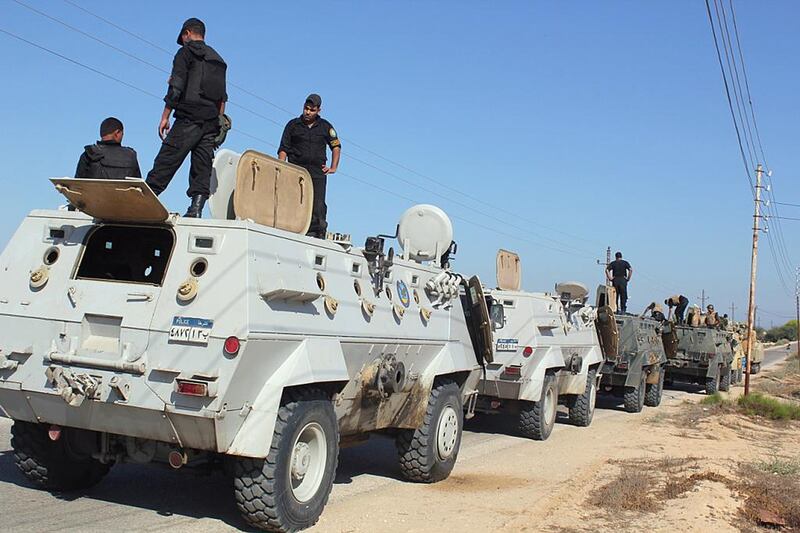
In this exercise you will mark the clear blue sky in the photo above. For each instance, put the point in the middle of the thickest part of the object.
(580, 124)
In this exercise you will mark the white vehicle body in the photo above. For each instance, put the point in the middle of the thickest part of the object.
(172, 335)
(539, 338)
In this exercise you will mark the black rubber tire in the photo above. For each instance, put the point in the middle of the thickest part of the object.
(49, 464)
(653, 391)
(755, 368)
(418, 449)
(725, 379)
(532, 420)
(634, 396)
(581, 410)
(712, 383)
(263, 487)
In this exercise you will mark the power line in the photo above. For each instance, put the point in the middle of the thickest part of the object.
(440, 183)
(728, 95)
(264, 141)
(787, 204)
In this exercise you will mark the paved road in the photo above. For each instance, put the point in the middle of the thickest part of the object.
(778, 353)
(151, 498)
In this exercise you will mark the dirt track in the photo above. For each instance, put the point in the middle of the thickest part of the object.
(501, 481)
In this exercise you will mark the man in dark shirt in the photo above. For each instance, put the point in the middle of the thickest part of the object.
(197, 93)
(619, 273)
(107, 158)
(303, 143)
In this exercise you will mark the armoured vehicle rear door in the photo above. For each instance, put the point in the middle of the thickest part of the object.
(125, 200)
(478, 321)
(606, 323)
(670, 339)
(112, 294)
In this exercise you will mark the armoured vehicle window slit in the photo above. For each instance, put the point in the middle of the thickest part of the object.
(415, 282)
(57, 233)
(319, 260)
(321, 282)
(198, 268)
(50, 256)
(130, 254)
(357, 287)
(356, 270)
(204, 242)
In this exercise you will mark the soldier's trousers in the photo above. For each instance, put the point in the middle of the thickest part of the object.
(621, 286)
(319, 214)
(185, 137)
(680, 309)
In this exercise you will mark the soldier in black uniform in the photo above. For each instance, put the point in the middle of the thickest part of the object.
(619, 273)
(107, 158)
(197, 93)
(303, 143)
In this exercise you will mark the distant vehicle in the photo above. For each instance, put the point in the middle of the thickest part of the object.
(699, 355)
(544, 351)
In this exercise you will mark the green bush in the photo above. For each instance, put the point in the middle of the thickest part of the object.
(713, 399)
(772, 408)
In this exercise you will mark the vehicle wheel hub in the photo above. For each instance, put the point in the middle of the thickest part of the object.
(447, 433)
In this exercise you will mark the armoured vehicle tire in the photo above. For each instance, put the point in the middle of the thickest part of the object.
(428, 453)
(288, 490)
(712, 384)
(725, 379)
(581, 411)
(653, 392)
(536, 419)
(49, 463)
(755, 368)
(634, 396)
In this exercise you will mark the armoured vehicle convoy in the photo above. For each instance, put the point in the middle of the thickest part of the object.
(634, 355)
(699, 355)
(130, 334)
(544, 351)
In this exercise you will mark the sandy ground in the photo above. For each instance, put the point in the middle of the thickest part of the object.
(501, 482)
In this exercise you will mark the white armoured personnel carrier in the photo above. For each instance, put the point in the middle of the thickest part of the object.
(544, 351)
(130, 334)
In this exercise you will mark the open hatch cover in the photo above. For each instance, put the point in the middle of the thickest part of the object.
(117, 200)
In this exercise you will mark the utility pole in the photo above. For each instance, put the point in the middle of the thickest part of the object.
(605, 266)
(733, 308)
(797, 299)
(703, 299)
(751, 306)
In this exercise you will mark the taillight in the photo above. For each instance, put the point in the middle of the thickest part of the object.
(513, 371)
(527, 351)
(232, 345)
(192, 388)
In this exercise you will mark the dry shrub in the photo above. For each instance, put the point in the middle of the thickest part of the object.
(630, 491)
(771, 499)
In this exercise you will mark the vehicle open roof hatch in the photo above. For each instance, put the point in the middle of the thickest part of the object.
(273, 192)
(113, 200)
(509, 271)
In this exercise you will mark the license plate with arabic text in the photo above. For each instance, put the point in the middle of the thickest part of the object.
(507, 345)
(191, 330)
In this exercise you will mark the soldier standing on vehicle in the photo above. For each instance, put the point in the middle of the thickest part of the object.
(619, 273)
(197, 94)
(680, 303)
(107, 158)
(712, 319)
(303, 143)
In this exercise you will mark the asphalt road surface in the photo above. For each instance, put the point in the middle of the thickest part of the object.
(153, 498)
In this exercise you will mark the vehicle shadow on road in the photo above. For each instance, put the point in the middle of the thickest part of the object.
(506, 424)
(187, 494)
(376, 457)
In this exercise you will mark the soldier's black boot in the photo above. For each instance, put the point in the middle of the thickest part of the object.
(196, 207)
